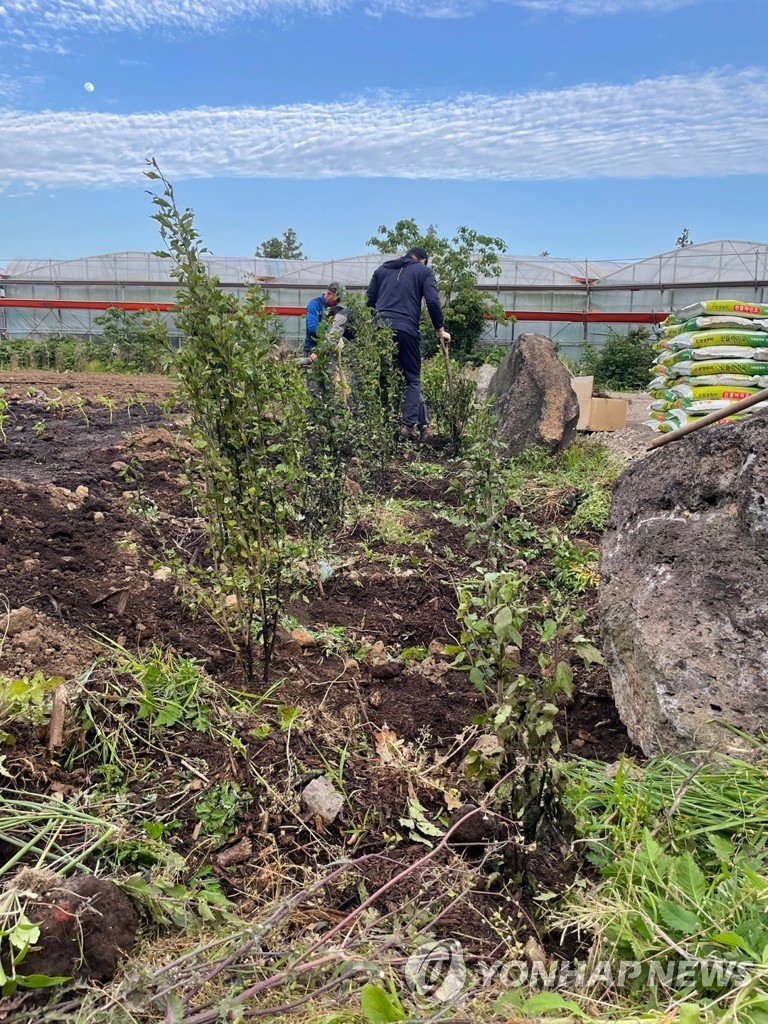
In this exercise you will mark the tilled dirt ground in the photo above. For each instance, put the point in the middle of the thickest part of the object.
(79, 569)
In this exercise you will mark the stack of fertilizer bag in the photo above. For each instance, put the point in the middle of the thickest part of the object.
(711, 354)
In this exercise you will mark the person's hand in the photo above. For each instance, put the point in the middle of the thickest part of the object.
(312, 357)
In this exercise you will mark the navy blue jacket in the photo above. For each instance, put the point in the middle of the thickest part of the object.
(396, 290)
(315, 314)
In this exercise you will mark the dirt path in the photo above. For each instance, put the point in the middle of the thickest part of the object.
(152, 388)
(632, 442)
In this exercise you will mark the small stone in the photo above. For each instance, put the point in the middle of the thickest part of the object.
(119, 466)
(82, 491)
(30, 564)
(322, 799)
(436, 647)
(98, 517)
(302, 637)
(351, 667)
(375, 652)
(387, 669)
(230, 601)
(107, 485)
(162, 573)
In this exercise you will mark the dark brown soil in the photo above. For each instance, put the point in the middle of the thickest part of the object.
(78, 567)
(87, 925)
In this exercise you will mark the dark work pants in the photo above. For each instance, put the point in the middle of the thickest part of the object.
(409, 361)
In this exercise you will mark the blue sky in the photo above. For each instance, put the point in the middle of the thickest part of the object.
(588, 128)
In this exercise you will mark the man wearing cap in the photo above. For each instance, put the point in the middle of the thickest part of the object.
(395, 292)
(316, 309)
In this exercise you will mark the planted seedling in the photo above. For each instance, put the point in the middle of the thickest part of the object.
(78, 404)
(56, 404)
(4, 416)
(109, 404)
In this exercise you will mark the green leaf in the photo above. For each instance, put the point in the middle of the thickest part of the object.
(564, 677)
(502, 1005)
(40, 980)
(689, 1013)
(652, 848)
(378, 1007)
(690, 878)
(502, 622)
(477, 678)
(678, 918)
(723, 849)
(733, 940)
(543, 1002)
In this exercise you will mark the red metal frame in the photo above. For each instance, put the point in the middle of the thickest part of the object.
(589, 316)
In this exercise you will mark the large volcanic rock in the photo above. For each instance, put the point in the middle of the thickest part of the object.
(684, 592)
(533, 398)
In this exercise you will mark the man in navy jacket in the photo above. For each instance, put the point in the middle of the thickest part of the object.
(316, 312)
(395, 292)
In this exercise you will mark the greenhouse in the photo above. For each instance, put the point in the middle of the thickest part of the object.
(570, 301)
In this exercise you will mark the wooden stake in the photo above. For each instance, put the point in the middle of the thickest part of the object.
(56, 728)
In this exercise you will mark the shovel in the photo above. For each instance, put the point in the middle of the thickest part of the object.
(343, 384)
(444, 342)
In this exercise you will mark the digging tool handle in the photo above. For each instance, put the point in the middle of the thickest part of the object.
(444, 339)
(712, 417)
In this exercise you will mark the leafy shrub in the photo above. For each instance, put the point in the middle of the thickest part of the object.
(131, 344)
(622, 362)
(450, 411)
(490, 355)
(137, 341)
(247, 439)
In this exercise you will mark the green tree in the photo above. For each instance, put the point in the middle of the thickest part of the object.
(286, 248)
(458, 262)
(247, 431)
(623, 361)
(137, 341)
(683, 240)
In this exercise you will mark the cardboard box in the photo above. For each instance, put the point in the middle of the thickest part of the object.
(583, 388)
(598, 413)
(607, 414)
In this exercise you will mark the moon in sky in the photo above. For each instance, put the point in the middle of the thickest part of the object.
(89, 87)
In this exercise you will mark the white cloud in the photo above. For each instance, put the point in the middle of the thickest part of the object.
(41, 24)
(711, 125)
(596, 8)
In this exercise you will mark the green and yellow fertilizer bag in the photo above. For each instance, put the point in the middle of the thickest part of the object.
(748, 310)
(714, 323)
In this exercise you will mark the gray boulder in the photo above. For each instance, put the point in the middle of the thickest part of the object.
(683, 600)
(533, 398)
(485, 375)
